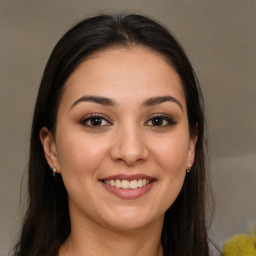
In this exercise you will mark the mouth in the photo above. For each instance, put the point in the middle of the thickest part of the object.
(128, 186)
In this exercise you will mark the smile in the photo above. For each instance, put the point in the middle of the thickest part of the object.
(126, 184)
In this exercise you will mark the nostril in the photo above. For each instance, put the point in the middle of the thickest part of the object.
(129, 146)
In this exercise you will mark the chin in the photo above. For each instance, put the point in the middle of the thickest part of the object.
(130, 220)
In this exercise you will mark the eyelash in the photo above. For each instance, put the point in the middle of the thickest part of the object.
(167, 120)
(92, 117)
(162, 118)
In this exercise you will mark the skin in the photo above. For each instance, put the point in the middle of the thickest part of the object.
(128, 141)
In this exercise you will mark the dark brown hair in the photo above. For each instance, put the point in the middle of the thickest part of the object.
(47, 224)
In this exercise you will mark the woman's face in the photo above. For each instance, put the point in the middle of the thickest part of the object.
(122, 142)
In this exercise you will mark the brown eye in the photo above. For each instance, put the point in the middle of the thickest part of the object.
(157, 121)
(161, 121)
(95, 121)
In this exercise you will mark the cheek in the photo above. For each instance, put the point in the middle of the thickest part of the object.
(79, 161)
(79, 155)
(172, 154)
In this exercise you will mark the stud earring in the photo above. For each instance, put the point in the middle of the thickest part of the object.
(54, 171)
(189, 168)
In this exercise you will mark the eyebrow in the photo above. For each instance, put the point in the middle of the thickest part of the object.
(108, 102)
(95, 99)
(158, 100)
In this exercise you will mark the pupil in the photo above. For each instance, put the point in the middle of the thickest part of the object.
(96, 121)
(157, 121)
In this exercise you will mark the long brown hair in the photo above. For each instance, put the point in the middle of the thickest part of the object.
(47, 224)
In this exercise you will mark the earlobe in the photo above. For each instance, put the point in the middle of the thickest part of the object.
(50, 150)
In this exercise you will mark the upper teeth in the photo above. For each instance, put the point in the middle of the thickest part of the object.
(126, 184)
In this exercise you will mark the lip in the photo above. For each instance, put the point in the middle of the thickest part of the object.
(128, 193)
(128, 177)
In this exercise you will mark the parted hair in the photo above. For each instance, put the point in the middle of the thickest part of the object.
(46, 224)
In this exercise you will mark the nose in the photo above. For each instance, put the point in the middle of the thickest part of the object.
(129, 146)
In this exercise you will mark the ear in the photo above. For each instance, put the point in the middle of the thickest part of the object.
(192, 146)
(50, 150)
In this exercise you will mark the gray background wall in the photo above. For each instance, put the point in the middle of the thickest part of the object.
(218, 36)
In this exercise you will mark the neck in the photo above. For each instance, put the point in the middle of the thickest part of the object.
(92, 240)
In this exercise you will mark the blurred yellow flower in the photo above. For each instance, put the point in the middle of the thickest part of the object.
(240, 245)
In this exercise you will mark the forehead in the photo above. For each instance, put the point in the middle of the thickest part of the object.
(125, 73)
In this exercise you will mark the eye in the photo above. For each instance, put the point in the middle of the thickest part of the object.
(161, 121)
(95, 120)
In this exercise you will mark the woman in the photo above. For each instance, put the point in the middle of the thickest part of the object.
(117, 156)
